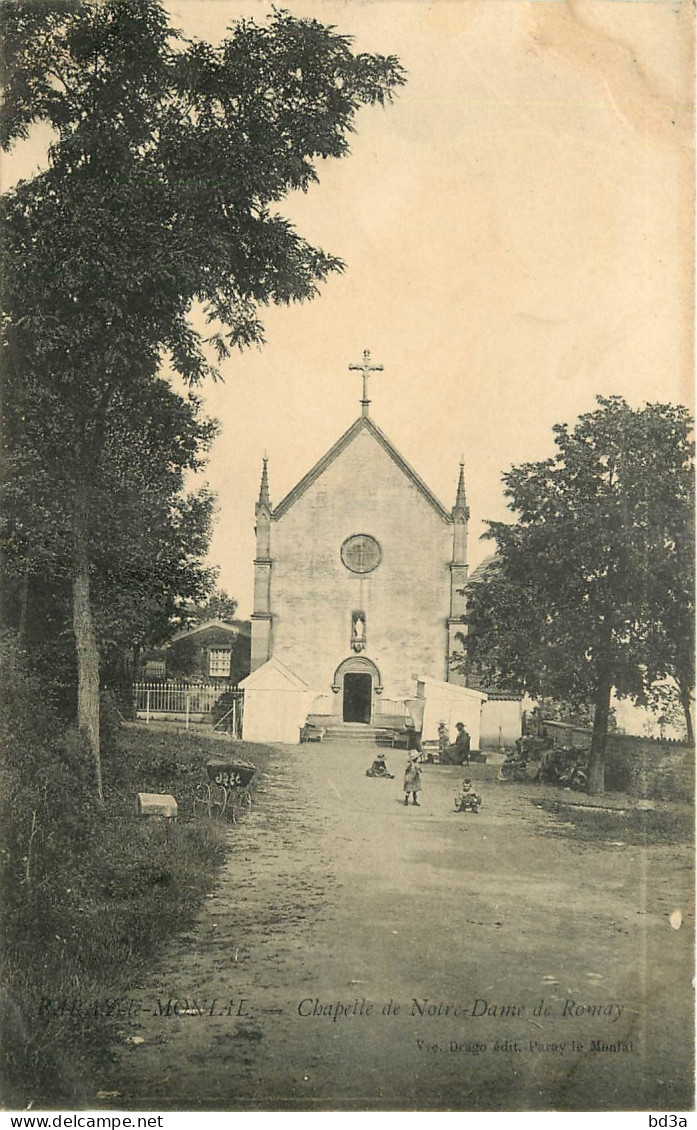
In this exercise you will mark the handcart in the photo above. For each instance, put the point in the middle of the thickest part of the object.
(226, 792)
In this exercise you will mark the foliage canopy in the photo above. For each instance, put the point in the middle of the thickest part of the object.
(591, 589)
(167, 156)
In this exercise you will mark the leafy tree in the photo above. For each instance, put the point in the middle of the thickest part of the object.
(147, 535)
(167, 157)
(151, 535)
(591, 588)
(673, 636)
(218, 606)
(672, 708)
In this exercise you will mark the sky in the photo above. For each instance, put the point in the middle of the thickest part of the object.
(517, 233)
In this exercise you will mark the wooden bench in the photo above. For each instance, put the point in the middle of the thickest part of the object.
(311, 733)
(396, 739)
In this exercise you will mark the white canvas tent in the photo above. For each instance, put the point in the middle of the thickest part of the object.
(448, 703)
(276, 703)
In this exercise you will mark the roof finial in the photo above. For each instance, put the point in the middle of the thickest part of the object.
(461, 506)
(264, 499)
(365, 369)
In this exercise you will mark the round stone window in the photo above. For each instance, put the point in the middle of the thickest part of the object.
(361, 553)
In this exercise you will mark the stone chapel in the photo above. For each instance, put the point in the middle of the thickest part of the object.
(359, 579)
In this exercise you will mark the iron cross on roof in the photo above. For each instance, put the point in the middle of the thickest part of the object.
(366, 368)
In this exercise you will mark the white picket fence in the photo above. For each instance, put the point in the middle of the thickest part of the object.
(190, 701)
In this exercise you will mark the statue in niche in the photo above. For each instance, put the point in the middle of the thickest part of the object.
(358, 631)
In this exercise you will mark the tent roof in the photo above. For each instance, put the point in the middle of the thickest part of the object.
(274, 675)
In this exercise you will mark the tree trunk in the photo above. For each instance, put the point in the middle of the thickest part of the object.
(24, 610)
(686, 703)
(87, 653)
(596, 761)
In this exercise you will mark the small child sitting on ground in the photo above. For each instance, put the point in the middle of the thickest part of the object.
(379, 768)
(468, 800)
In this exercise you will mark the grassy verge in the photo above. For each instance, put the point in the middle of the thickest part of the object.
(664, 824)
(91, 893)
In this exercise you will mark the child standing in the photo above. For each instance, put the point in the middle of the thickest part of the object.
(412, 779)
(443, 740)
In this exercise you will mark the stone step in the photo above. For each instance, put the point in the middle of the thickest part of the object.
(336, 734)
(331, 721)
(337, 731)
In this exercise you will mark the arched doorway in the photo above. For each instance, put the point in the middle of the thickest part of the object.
(358, 697)
(357, 679)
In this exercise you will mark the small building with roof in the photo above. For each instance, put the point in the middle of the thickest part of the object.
(214, 651)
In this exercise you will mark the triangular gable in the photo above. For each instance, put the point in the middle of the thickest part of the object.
(363, 422)
(234, 627)
(273, 675)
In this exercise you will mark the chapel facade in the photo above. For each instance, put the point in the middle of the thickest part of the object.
(359, 576)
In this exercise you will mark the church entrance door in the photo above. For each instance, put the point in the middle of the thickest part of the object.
(358, 696)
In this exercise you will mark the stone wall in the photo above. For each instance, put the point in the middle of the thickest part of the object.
(405, 600)
(646, 767)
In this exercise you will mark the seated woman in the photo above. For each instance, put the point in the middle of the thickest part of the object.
(459, 753)
(379, 768)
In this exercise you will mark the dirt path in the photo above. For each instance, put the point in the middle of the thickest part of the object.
(334, 892)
